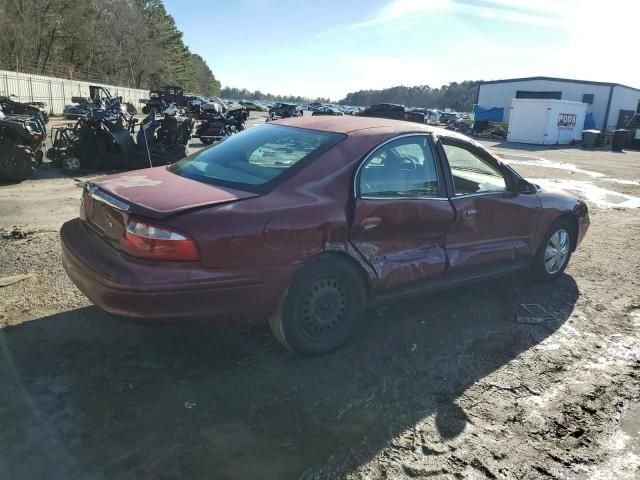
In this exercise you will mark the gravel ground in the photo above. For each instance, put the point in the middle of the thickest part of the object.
(442, 386)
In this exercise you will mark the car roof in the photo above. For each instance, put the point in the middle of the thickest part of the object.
(349, 124)
(355, 125)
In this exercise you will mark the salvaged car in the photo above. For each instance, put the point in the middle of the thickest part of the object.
(392, 111)
(284, 110)
(326, 110)
(384, 110)
(252, 106)
(308, 221)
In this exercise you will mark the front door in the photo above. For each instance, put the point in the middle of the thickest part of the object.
(402, 213)
(494, 228)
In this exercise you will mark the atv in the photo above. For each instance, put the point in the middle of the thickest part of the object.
(103, 139)
(21, 141)
(163, 97)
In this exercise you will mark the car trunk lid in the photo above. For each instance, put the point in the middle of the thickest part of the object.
(157, 193)
(153, 193)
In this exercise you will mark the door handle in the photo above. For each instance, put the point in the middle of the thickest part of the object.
(472, 212)
(370, 222)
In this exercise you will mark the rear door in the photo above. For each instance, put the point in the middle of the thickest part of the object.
(494, 227)
(401, 213)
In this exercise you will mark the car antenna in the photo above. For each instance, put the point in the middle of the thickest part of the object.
(144, 134)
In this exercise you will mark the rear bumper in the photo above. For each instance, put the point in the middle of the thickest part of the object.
(128, 287)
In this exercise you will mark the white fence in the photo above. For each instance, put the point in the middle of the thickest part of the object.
(57, 92)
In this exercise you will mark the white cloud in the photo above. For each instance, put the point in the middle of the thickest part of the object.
(394, 11)
(542, 13)
(402, 8)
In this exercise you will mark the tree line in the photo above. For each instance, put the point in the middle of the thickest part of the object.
(123, 42)
(243, 93)
(457, 96)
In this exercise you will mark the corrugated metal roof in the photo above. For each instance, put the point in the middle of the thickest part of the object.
(555, 79)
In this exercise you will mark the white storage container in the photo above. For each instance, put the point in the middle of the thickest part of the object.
(545, 121)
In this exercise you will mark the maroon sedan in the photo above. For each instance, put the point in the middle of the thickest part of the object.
(307, 221)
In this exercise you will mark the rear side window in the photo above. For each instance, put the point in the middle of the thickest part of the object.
(401, 168)
(256, 158)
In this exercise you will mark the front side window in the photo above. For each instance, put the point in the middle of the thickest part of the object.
(402, 168)
(255, 157)
(471, 173)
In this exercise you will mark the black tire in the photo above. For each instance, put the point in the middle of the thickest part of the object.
(207, 141)
(320, 309)
(17, 163)
(538, 270)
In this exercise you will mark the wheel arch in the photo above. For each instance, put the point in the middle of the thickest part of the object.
(346, 257)
(573, 221)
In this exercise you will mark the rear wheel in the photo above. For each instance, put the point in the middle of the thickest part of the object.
(17, 163)
(554, 252)
(321, 307)
(206, 141)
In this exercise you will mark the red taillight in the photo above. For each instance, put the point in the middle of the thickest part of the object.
(157, 243)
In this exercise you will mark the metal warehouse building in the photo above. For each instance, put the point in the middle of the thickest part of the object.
(609, 103)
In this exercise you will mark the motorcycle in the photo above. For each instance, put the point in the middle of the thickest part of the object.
(219, 126)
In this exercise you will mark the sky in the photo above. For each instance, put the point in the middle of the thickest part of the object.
(327, 48)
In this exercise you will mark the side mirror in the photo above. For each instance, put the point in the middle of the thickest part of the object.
(523, 186)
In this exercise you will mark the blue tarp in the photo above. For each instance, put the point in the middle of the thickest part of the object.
(588, 122)
(487, 114)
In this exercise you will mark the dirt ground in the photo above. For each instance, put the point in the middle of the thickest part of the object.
(446, 386)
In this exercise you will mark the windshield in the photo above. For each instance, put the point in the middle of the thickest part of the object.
(255, 159)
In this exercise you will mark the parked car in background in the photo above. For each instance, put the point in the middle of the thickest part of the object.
(326, 110)
(313, 219)
(352, 110)
(284, 110)
(384, 110)
(393, 111)
(447, 116)
(252, 106)
(431, 116)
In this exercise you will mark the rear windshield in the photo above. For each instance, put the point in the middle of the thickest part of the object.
(257, 158)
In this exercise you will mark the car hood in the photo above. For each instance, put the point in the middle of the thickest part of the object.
(158, 193)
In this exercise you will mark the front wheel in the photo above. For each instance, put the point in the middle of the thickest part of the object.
(17, 163)
(321, 307)
(554, 252)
